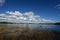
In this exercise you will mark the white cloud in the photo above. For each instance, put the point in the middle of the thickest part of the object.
(2, 18)
(2, 15)
(2, 2)
(37, 16)
(22, 17)
(8, 12)
(16, 13)
(29, 14)
(45, 20)
(58, 6)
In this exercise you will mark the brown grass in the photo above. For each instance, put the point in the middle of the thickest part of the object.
(17, 33)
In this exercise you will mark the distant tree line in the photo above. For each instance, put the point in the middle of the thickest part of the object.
(58, 23)
(6, 23)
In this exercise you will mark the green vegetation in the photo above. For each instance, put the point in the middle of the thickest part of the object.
(19, 33)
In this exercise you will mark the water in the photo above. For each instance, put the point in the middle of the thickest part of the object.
(35, 26)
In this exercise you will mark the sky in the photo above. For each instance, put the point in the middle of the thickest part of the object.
(30, 10)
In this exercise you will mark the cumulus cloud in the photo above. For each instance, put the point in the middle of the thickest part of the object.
(22, 17)
(2, 2)
(31, 16)
(3, 16)
(16, 13)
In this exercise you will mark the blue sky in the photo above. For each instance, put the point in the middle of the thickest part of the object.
(46, 9)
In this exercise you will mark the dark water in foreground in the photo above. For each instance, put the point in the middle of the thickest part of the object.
(35, 26)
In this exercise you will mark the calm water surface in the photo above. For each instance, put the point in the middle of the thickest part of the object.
(35, 26)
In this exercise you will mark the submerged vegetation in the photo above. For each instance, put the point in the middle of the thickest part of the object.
(19, 33)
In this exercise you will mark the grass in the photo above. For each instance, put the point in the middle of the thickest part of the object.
(18, 33)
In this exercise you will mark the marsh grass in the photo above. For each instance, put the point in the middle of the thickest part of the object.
(18, 33)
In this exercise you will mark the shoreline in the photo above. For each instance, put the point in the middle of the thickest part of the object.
(17, 33)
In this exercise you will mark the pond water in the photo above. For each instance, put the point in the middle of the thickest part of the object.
(35, 26)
